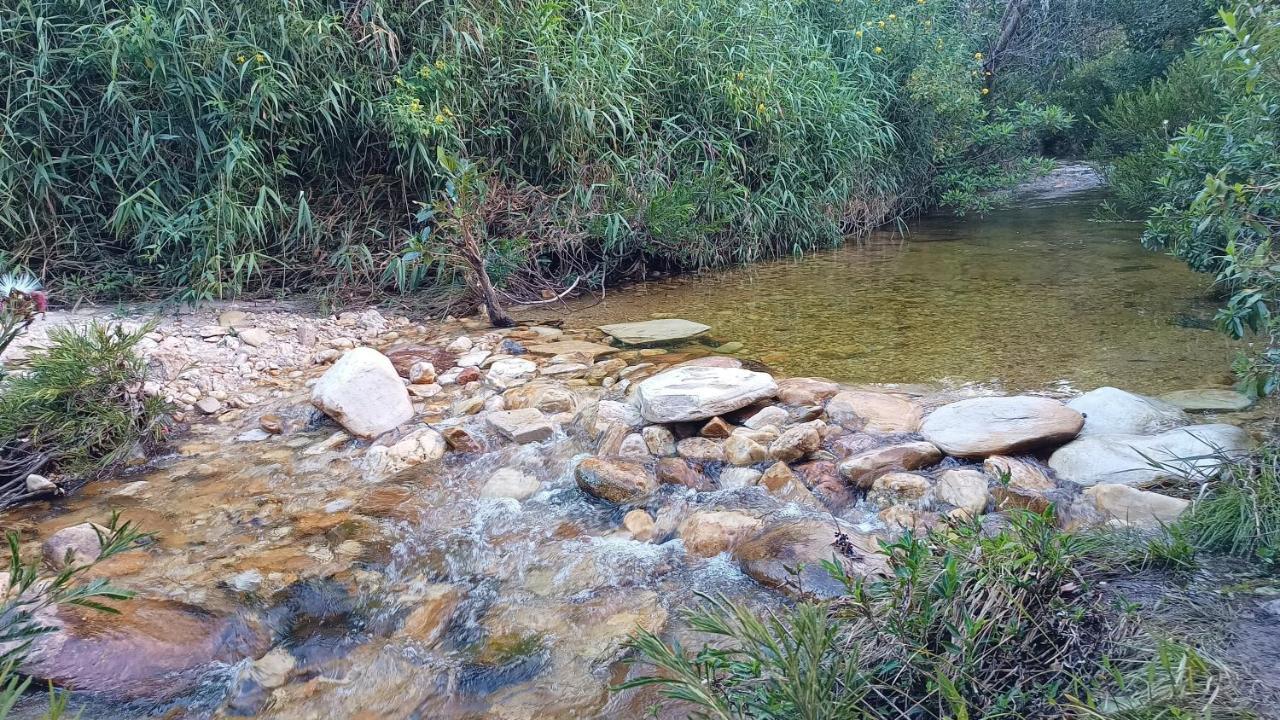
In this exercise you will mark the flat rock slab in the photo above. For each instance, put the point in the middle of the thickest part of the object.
(566, 347)
(700, 393)
(523, 426)
(654, 332)
(1208, 400)
(979, 427)
(1138, 460)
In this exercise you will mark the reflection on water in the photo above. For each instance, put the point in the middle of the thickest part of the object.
(1027, 296)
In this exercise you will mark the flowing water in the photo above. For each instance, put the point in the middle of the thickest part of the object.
(1028, 297)
(415, 597)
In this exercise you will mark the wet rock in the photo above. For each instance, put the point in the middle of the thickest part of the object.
(547, 397)
(806, 391)
(822, 477)
(40, 484)
(713, 361)
(640, 524)
(964, 488)
(611, 412)
(699, 393)
(271, 423)
(618, 482)
(510, 371)
(874, 412)
(783, 484)
(707, 534)
(742, 450)
(363, 393)
(716, 428)
(1124, 506)
(427, 623)
(978, 427)
(405, 358)
(905, 517)
(1110, 411)
(522, 426)
(80, 543)
(419, 446)
(676, 471)
(151, 649)
(654, 332)
(767, 416)
(659, 440)
(605, 369)
(796, 443)
(510, 483)
(862, 469)
(633, 446)
(769, 556)
(1188, 452)
(701, 449)
(899, 487)
(1208, 400)
(1018, 474)
(1011, 498)
(735, 478)
(461, 440)
(564, 347)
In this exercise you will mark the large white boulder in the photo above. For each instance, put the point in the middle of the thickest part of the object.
(979, 427)
(363, 393)
(1194, 452)
(699, 393)
(1110, 411)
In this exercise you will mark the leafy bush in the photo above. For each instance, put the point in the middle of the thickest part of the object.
(77, 410)
(969, 624)
(228, 147)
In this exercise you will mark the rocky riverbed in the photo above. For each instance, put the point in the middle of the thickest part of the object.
(374, 518)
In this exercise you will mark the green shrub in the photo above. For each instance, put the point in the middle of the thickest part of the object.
(228, 147)
(970, 624)
(77, 410)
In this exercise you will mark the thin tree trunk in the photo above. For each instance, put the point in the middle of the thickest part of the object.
(492, 304)
(1013, 14)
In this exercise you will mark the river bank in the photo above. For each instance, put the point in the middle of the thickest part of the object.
(525, 499)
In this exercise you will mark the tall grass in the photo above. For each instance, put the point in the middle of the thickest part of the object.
(1240, 514)
(257, 146)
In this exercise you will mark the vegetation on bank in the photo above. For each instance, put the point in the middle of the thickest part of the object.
(970, 623)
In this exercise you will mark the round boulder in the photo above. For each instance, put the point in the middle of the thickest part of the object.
(979, 427)
(686, 394)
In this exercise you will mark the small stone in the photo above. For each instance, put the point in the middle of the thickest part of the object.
(460, 344)
(473, 359)
(617, 482)
(964, 488)
(271, 423)
(422, 373)
(245, 582)
(208, 405)
(468, 375)
(677, 471)
(73, 545)
(659, 440)
(510, 483)
(423, 392)
(274, 669)
(717, 428)
(40, 484)
(231, 318)
(654, 332)
(700, 393)
(461, 440)
(701, 449)
(742, 450)
(795, 443)
(254, 337)
(874, 412)
(899, 487)
(428, 622)
(1208, 400)
(806, 391)
(734, 478)
(633, 446)
(640, 524)
(363, 393)
(730, 348)
(1018, 474)
(522, 426)
(782, 483)
(707, 534)
(863, 468)
(768, 415)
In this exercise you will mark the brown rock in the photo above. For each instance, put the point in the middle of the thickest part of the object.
(717, 428)
(271, 423)
(874, 412)
(80, 543)
(701, 449)
(469, 375)
(1011, 498)
(899, 487)
(770, 555)
(461, 440)
(677, 471)
(822, 477)
(404, 358)
(707, 534)
(905, 517)
(617, 482)
(742, 451)
(427, 622)
(964, 488)
(862, 469)
(1020, 474)
(640, 524)
(806, 391)
(782, 483)
(796, 443)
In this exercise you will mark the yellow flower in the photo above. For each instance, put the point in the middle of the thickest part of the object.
(928, 23)
(439, 119)
(977, 56)
(425, 72)
(986, 91)
(415, 106)
(240, 59)
(892, 16)
(760, 108)
(740, 76)
(260, 58)
(440, 65)
(919, 2)
(879, 49)
(857, 33)
(447, 111)
(880, 23)
(399, 81)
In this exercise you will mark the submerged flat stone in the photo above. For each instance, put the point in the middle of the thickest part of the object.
(566, 347)
(1208, 400)
(654, 332)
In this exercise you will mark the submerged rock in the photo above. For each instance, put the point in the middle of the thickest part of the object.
(80, 543)
(806, 390)
(874, 412)
(1208, 400)
(618, 482)
(654, 332)
(978, 427)
(700, 393)
(510, 483)
(770, 555)
(1110, 411)
(363, 393)
(707, 534)
(522, 426)
(1194, 452)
